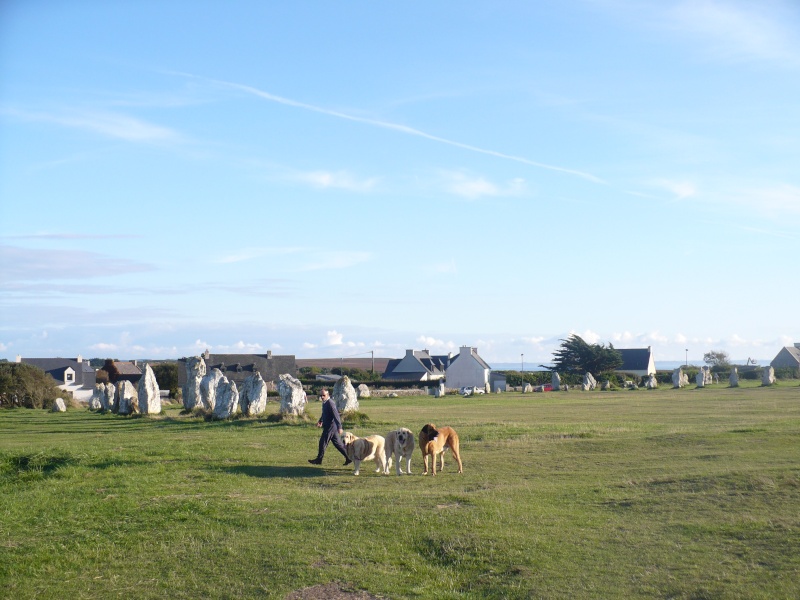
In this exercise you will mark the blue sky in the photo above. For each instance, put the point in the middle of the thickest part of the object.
(328, 179)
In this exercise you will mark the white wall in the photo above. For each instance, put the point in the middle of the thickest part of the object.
(466, 371)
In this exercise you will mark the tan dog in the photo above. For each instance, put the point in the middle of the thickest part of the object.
(366, 448)
(400, 444)
(433, 441)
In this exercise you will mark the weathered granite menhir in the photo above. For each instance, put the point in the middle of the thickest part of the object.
(227, 398)
(148, 392)
(293, 397)
(344, 395)
(195, 371)
(253, 396)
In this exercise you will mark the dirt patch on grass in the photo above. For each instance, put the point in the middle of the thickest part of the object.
(330, 591)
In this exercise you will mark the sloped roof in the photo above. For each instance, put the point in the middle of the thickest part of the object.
(634, 359)
(793, 351)
(127, 368)
(476, 356)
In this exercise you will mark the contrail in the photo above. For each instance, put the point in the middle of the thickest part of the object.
(394, 127)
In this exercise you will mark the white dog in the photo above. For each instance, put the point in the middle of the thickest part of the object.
(366, 448)
(400, 444)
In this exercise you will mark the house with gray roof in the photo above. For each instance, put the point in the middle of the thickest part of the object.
(74, 375)
(789, 356)
(417, 365)
(637, 361)
(238, 367)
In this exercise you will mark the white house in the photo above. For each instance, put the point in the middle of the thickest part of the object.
(637, 361)
(467, 369)
(789, 356)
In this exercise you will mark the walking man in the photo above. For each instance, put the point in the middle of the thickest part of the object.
(331, 424)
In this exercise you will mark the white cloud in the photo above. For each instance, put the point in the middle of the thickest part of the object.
(679, 189)
(4, 347)
(589, 336)
(341, 180)
(740, 30)
(474, 187)
(35, 264)
(435, 345)
(777, 201)
(108, 124)
(104, 347)
(333, 338)
(309, 345)
(240, 347)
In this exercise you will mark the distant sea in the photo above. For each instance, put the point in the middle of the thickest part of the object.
(661, 365)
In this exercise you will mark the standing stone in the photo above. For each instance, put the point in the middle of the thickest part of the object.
(440, 390)
(208, 389)
(253, 397)
(227, 399)
(126, 400)
(652, 382)
(606, 385)
(708, 379)
(195, 371)
(59, 406)
(589, 382)
(293, 398)
(106, 392)
(363, 391)
(734, 378)
(344, 395)
(677, 378)
(527, 388)
(555, 381)
(96, 401)
(149, 394)
(700, 378)
(768, 376)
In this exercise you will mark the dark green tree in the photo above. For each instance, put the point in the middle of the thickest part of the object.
(578, 356)
(25, 385)
(167, 376)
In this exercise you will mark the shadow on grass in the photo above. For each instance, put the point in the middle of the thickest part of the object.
(268, 471)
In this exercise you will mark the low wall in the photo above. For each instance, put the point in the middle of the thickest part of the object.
(406, 392)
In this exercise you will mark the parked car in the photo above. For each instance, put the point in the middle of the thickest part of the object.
(470, 390)
(547, 387)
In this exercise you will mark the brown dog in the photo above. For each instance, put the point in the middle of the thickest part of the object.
(433, 441)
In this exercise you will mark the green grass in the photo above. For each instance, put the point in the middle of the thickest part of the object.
(691, 493)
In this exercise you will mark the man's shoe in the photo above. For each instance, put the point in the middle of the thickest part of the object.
(347, 462)
(315, 461)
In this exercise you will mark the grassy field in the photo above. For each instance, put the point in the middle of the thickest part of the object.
(691, 493)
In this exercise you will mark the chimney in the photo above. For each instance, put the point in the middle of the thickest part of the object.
(79, 359)
(269, 354)
(19, 358)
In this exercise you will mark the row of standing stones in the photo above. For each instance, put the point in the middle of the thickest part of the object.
(679, 379)
(215, 394)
